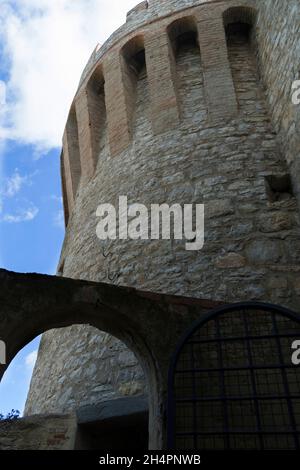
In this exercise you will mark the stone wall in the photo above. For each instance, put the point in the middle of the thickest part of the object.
(278, 37)
(87, 368)
(231, 160)
(39, 433)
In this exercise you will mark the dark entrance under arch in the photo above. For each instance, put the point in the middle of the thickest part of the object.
(232, 383)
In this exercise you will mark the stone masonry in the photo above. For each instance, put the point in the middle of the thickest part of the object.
(188, 102)
(39, 433)
(32, 303)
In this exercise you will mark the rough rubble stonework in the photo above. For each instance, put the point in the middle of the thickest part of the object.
(210, 124)
(39, 433)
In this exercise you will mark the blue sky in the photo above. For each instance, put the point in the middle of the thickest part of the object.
(44, 45)
(31, 234)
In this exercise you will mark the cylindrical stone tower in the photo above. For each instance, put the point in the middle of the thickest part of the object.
(176, 108)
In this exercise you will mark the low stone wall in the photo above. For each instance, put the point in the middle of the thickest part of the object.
(39, 433)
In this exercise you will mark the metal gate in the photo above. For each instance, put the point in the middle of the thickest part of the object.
(232, 383)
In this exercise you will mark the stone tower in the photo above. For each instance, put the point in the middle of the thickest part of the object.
(188, 102)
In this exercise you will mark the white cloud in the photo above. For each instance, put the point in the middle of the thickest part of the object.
(56, 198)
(30, 359)
(22, 215)
(2, 96)
(59, 219)
(47, 44)
(3, 108)
(13, 184)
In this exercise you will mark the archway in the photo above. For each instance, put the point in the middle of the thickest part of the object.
(232, 382)
(109, 409)
(33, 304)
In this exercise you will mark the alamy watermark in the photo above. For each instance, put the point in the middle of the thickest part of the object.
(2, 353)
(160, 221)
(296, 353)
(296, 92)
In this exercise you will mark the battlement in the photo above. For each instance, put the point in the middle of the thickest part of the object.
(142, 14)
(106, 97)
(138, 9)
(150, 36)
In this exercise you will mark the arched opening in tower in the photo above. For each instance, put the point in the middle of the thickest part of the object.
(64, 188)
(241, 45)
(71, 155)
(136, 84)
(261, 144)
(97, 112)
(183, 35)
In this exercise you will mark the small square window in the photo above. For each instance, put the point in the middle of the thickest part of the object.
(279, 187)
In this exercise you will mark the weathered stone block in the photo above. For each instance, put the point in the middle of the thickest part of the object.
(230, 261)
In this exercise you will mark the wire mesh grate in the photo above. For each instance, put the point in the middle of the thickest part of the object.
(233, 384)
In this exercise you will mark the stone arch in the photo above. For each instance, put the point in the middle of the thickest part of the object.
(134, 53)
(239, 25)
(71, 158)
(34, 304)
(232, 384)
(240, 14)
(97, 111)
(181, 31)
(64, 188)
(69, 315)
(134, 69)
(185, 46)
(241, 19)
